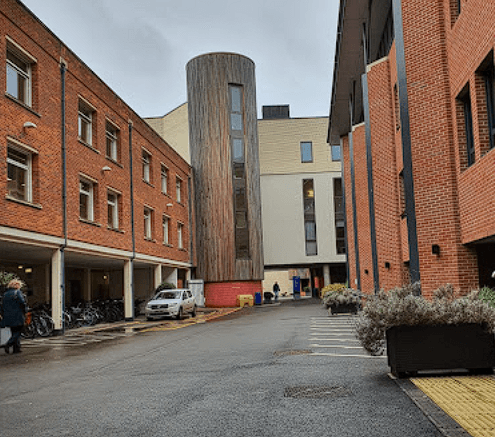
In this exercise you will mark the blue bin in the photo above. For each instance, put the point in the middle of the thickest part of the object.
(257, 298)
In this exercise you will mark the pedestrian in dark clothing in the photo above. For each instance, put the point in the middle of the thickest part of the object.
(276, 289)
(14, 308)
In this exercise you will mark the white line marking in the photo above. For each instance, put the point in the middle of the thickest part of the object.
(343, 355)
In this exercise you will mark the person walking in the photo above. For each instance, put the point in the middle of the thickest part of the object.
(14, 308)
(276, 289)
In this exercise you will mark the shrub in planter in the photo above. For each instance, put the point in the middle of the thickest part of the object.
(344, 300)
(404, 308)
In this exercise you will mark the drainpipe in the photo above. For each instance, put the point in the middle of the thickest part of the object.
(63, 69)
(133, 231)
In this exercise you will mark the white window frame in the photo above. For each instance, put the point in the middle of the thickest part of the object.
(164, 179)
(90, 196)
(113, 207)
(178, 189)
(85, 116)
(112, 138)
(148, 223)
(302, 144)
(180, 235)
(166, 229)
(146, 161)
(23, 57)
(27, 168)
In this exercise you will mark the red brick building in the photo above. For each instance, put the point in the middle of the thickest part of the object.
(94, 204)
(413, 107)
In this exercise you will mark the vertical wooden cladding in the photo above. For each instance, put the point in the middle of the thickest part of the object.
(208, 80)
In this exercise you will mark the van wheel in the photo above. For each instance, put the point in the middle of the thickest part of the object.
(193, 314)
(179, 314)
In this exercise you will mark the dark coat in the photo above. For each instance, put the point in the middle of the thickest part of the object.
(14, 307)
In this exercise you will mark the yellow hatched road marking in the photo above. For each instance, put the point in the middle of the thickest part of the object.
(469, 400)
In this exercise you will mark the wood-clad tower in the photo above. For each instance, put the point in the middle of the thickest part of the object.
(223, 139)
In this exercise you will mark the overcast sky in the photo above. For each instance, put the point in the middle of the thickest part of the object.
(140, 48)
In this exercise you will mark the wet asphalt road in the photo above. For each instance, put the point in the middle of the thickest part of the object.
(248, 374)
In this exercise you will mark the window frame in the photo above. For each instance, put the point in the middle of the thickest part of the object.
(304, 159)
(22, 57)
(85, 114)
(146, 165)
(180, 235)
(90, 196)
(27, 169)
(166, 230)
(148, 223)
(164, 178)
(114, 207)
(309, 214)
(112, 135)
(178, 189)
(334, 153)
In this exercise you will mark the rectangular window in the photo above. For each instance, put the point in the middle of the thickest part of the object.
(148, 219)
(85, 123)
(19, 76)
(164, 179)
(178, 189)
(112, 138)
(465, 120)
(306, 151)
(237, 144)
(309, 217)
(113, 210)
(335, 153)
(490, 103)
(19, 174)
(86, 200)
(180, 235)
(166, 229)
(146, 161)
(338, 201)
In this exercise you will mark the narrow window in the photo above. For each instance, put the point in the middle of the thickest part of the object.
(490, 103)
(335, 153)
(86, 200)
(465, 131)
(164, 179)
(178, 189)
(85, 123)
(112, 139)
(396, 108)
(237, 147)
(309, 217)
(148, 235)
(338, 201)
(146, 161)
(19, 174)
(402, 195)
(307, 151)
(165, 225)
(19, 76)
(180, 235)
(113, 210)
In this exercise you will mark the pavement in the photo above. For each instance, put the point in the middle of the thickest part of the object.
(459, 405)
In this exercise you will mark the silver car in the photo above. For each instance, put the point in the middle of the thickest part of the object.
(174, 303)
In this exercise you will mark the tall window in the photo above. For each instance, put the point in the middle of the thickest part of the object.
(148, 219)
(178, 189)
(166, 230)
(112, 139)
(86, 199)
(164, 179)
(19, 76)
(338, 201)
(309, 217)
(237, 146)
(465, 125)
(146, 161)
(113, 210)
(85, 123)
(180, 235)
(19, 173)
(306, 151)
(490, 103)
(335, 153)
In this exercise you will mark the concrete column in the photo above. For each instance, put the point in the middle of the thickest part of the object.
(172, 277)
(326, 274)
(48, 285)
(87, 285)
(128, 290)
(57, 289)
(158, 276)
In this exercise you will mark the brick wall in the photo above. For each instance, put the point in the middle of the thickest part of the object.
(224, 294)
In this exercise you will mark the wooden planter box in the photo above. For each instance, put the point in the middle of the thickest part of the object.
(442, 347)
(344, 308)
